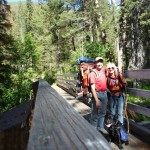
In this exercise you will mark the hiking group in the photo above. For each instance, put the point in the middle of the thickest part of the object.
(106, 88)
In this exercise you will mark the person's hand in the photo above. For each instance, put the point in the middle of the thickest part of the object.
(98, 105)
(124, 81)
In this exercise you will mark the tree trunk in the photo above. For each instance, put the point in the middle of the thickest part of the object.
(137, 58)
(121, 39)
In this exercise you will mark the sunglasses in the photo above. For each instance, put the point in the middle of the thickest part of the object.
(111, 68)
(99, 61)
(99, 65)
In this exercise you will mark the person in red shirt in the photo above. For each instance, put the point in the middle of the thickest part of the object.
(98, 84)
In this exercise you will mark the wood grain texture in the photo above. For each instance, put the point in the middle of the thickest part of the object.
(135, 143)
(14, 138)
(139, 92)
(15, 116)
(143, 74)
(140, 130)
(137, 74)
(57, 126)
(137, 108)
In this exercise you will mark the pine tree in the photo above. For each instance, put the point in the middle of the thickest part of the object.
(5, 46)
(135, 33)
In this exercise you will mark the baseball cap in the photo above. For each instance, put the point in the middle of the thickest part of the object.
(98, 58)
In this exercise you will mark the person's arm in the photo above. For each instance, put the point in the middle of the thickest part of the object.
(98, 105)
(124, 82)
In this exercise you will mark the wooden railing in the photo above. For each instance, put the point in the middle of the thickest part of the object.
(57, 126)
(68, 83)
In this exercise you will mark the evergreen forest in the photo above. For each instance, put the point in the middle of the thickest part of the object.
(45, 38)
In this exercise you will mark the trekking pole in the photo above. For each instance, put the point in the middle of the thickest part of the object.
(125, 112)
(125, 104)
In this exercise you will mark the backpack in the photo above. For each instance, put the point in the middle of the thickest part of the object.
(121, 84)
(123, 134)
(85, 60)
(86, 66)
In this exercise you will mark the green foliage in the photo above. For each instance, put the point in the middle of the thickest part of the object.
(139, 100)
(143, 118)
(145, 102)
(135, 22)
(19, 91)
(90, 50)
(17, 72)
(50, 75)
(140, 84)
(50, 38)
(143, 84)
(29, 52)
(15, 95)
(29, 13)
(94, 49)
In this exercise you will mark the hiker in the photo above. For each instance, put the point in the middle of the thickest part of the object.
(85, 67)
(115, 85)
(99, 91)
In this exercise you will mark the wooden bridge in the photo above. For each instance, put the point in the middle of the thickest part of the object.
(58, 118)
(57, 126)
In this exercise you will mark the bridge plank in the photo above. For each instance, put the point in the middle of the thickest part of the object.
(67, 90)
(56, 125)
(140, 130)
(142, 75)
(67, 80)
(139, 92)
(84, 110)
(68, 75)
(15, 116)
(139, 109)
(138, 74)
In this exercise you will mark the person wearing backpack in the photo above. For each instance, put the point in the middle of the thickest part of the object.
(99, 91)
(85, 67)
(115, 85)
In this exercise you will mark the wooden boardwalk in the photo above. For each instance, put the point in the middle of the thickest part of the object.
(134, 142)
(56, 125)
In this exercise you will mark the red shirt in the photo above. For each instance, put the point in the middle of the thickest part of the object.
(100, 81)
